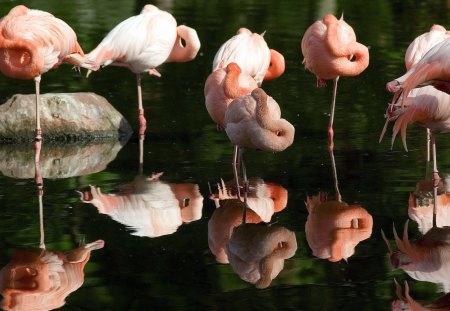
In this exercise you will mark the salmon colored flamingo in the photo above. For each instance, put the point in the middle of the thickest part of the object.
(254, 122)
(433, 68)
(33, 42)
(250, 51)
(264, 199)
(329, 51)
(224, 85)
(334, 228)
(257, 252)
(143, 42)
(425, 259)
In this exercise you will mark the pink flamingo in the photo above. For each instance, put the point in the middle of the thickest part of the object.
(250, 51)
(33, 42)
(143, 42)
(224, 85)
(254, 122)
(433, 68)
(406, 302)
(330, 50)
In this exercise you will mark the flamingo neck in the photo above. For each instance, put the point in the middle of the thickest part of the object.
(184, 53)
(276, 67)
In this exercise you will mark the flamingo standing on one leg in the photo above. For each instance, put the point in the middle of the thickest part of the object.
(31, 43)
(254, 122)
(250, 51)
(143, 42)
(224, 85)
(330, 50)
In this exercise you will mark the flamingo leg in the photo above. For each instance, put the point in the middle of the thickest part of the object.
(142, 120)
(436, 177)
(335, 179)
(245, 186)
(141, 154)
(235, 170)
(38, 138)
(330, 125)
(40, 192)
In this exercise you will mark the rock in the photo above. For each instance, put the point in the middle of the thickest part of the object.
(64, 117)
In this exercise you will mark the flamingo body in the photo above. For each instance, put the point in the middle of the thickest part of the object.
(32, 42)
(224, 85)
(253, 122)
(328, 46)
(250, 51)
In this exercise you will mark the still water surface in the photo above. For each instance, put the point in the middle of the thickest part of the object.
(179, 262)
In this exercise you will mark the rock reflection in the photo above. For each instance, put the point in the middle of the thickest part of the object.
(149, 206)
(421, 204)
(257, 251)
(425, 259)
(334, 228)
(263, 200)
(39, 279)
(57, 161)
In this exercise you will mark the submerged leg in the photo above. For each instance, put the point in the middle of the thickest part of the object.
(40, 193)
(330, 125)
(142, 120)
(38, 138)
(235, 170)
(245, 186)
(335, 179)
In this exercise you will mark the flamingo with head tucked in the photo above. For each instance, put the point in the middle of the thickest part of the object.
(330, 50)
(251, 52)
(33, 42)
(143, 42)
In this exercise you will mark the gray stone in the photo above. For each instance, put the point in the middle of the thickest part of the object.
(64, 117)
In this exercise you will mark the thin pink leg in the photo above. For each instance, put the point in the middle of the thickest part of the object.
(235, 170)
(38, 138)
(436, 177)
(330, 125)
(142, 120)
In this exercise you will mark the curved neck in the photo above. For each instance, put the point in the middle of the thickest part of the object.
(276, 67)
(231, 86)
(187, 52)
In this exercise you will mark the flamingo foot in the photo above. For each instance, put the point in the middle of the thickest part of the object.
(330, 138)
(142, 123)
(321, 82)
(37, 145)
(436, 179)
(393, 86)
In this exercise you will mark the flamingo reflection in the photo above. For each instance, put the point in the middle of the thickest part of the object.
(406, 302)
(334, 228)
(264, 199)
(40, 279)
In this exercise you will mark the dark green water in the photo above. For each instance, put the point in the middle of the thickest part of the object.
(178, 271)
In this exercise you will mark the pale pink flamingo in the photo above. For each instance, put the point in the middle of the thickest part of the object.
(224, 85)
(425, 259)
(143, 42)
(330, 50)
(254, 122)
(427, 107)
(257, 252)
(250, 51)
(334, 228)
(433, 68)
(41, 279)
(33, 42)
(264, 199)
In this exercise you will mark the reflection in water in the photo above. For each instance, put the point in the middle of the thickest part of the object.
(425, 259)
(334, 228)
(257, 251)
(149, 206)
(421, 204)
(406, 302)
(264, 199)
(39, 279)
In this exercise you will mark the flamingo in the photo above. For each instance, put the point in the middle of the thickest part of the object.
(224, 85)
(143, 42)
(329, 51)
(251, 52)
(33, 42)
(433, 68)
